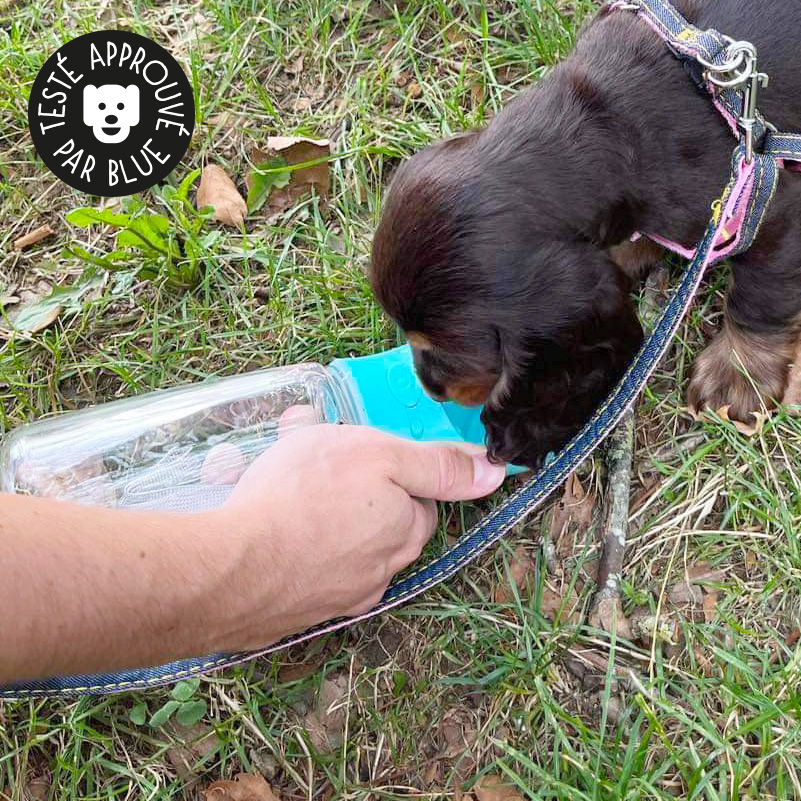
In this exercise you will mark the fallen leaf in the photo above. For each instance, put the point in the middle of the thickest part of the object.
(281, 187)
(748, 429)
(493, 787)
(477, 94)
(326, 724)
(710, 606)
(265, 762)
(683, 593)
(458, 735)
(219, 191)
(38, 310)
(607, 614)
(555, 604)
(32, 237)
(456, 36)
(432, 776)
(244, 787)
(296, 672)
(703, 661)
(521, 566)
(38, 316)
(702, 573)
(192, 745)
(296, 67)
(572, 513)
(38, 788)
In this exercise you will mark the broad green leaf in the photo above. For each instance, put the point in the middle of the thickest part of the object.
(39, 315)
(161, 716)
(264, 177)
(191, 713)
(147, 232)
(185, 185)
(184, 690)
(138, 714)
(86, 215)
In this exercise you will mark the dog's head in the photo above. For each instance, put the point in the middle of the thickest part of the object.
(111, 110)
(502, 303)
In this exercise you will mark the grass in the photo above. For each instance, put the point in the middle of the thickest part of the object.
(458, 684)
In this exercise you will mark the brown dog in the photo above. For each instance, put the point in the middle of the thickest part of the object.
(503, 253)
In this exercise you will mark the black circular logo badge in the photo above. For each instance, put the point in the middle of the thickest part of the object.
(111, 113)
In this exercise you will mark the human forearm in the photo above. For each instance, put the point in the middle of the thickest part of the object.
(87, 588)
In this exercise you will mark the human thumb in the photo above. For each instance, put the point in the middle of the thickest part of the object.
(446, 471)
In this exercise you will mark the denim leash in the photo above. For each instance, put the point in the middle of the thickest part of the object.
(728, 71)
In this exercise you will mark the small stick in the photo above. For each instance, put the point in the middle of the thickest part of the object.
(607, 610)
(606, 605)
(32, 237)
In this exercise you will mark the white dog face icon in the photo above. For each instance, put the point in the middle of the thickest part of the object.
(111, 110)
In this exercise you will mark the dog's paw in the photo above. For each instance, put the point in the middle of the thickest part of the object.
(743, 374)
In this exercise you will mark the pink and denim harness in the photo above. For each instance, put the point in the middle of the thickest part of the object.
(728, 70)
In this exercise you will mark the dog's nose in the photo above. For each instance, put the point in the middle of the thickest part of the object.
(111, 119)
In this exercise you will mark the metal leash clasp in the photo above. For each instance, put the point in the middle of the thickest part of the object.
(740, 71)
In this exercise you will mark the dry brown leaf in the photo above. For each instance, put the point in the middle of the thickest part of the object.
(703, 661)
(710, 606)
(194, 743)
(296, 67)
(244, 787)
(493, 787)
(553, 602)
(297, 671)
(683, 593)
(218, 190)
(38, 788)
(573, 511)
(521, 566)
(608, 615)
(702, 573)
(294, 150)
(457, 735)
(748, 429)
(326, 723)
(48, 316)
(32, 237)
(792, 394)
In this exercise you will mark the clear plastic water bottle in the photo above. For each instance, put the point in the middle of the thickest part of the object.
(183, 449)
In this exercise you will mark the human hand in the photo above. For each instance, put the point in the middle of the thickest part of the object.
(320, 523)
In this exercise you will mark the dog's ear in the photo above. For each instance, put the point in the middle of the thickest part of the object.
(131, 99)
(568, 335)
(89, 104)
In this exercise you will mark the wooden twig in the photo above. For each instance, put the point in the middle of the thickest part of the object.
(32, 237)
(607, 610)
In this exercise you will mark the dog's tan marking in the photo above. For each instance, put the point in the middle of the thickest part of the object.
(471, 393)
(742, 370)
(634, 258)
(418, 340)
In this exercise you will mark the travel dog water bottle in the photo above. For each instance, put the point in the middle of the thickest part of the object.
(183, 449)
